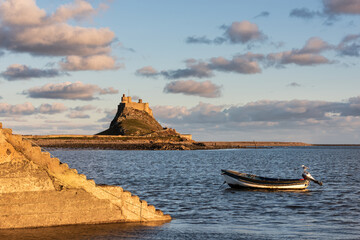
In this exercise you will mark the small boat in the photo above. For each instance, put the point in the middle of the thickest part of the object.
(243, 180)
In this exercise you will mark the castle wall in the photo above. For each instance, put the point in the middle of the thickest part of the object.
(126, 102)
(186, 136)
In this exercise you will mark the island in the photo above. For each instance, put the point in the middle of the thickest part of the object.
(135, 128)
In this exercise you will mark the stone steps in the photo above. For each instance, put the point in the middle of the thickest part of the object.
(47, 202)
(73, 199)
(43, 196)
(59, 218)
(50, 208)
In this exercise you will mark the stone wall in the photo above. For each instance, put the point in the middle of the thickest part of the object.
(37, 190)
(186, 136)
(126, 102)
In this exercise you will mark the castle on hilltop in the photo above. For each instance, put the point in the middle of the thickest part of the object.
(136, 119)
(126, 102)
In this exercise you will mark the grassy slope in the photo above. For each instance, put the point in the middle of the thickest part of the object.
(135, 127)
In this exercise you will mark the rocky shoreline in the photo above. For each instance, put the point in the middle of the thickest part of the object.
(144, 143)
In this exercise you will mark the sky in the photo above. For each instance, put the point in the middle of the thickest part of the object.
(220, 70)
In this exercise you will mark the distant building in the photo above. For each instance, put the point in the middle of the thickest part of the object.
(126, 102)
(186, 136)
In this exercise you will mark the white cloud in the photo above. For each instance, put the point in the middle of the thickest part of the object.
(306, 56)
(169, 112)
(147, 71)
(76, 114)
(52, 108)
(95, 62)
(78, 10)
(193, 68)
(21, 72)
(68, 90)
(28, 109)
(203, 89)
(21, 13)
(342, 6)
(243, 32)
(18, 109)
(84, 108)
(238, 32)
(303, 59)
(27, 28)
(315, 45)
(244, 64)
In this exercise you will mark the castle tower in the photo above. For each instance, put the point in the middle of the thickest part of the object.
(127, 102)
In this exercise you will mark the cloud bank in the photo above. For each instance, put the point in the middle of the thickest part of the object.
(250, 63)
(262, 117)
(237, 33)
(243, 64)
(275, 112)
(69, 91)
(28, 109)
(26, 28)
(202, 89)
(243, 32)
(74, 115)
(263, 14)
(95, 62)
(305, 13)
(22, 72)
(349, 46)
(341, 6)
(331, 10)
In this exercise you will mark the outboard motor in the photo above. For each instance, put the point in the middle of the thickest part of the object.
(307, 175)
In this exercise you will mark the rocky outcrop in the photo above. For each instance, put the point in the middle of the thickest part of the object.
(37, 190)
(132, 122)
(136, 119)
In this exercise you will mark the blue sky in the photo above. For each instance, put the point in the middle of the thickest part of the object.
(220, 70)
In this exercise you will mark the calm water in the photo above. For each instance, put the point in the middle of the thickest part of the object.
(187, 185)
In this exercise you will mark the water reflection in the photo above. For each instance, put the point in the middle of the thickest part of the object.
(299, 191)
(80, 232)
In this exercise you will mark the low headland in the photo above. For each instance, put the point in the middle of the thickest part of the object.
(135, 128)
(144, 143)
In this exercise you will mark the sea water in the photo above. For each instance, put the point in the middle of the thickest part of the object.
(188, 186)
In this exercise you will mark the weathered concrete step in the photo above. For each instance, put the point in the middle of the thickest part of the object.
(133, 202)
(27, 183)
(55, 206)
(61, 218)
(41, 196)
(55, 203)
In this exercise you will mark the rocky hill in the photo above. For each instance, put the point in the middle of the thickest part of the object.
(132, 122)
(136, 119)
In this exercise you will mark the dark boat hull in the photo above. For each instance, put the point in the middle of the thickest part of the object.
(242, 180)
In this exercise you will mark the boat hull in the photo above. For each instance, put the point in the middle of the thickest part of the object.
(242, 180)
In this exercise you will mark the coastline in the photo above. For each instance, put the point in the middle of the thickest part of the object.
(146, 143)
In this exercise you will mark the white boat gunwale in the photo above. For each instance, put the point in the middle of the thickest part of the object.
(242, 180)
